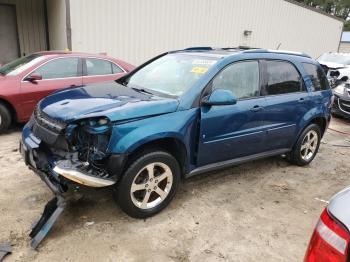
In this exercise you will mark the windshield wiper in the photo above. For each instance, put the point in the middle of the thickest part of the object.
(141, 90)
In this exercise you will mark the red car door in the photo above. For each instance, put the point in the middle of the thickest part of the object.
(55, 74)
(100, 70)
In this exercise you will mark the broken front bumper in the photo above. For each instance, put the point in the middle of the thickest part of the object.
(29, 146)
(56, 173)
(37, 161)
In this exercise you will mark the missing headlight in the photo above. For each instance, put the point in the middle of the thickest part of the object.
(90, 139)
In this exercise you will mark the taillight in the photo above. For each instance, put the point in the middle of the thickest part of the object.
(329, 242)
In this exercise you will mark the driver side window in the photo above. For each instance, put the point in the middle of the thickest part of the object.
(241, 78)
(59, 68)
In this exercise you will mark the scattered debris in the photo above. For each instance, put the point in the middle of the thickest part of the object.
(321, 200)
(89, 223)
(221, 255)
(5, 249)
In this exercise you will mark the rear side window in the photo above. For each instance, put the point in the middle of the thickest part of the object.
(101, 67)
(116, 69)
(242, 78)
(59, 68)
(282, 78)
(317, 77)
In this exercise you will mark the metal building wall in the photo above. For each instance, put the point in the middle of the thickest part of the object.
(136, 30)
(31, 25)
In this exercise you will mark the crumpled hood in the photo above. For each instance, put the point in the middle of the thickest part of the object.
(332, 65)
(109, 99)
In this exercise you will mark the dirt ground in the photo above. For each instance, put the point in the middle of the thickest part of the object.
(260, 211)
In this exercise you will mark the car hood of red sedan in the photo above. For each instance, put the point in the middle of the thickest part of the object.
(109, 99)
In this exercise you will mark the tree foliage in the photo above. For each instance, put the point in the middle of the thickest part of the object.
(338, 8)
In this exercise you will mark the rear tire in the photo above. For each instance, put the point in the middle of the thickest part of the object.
(5, 118)
(306, 148)
(148, 185)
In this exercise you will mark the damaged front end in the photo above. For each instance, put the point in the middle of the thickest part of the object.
(64, 154)
(85, 159)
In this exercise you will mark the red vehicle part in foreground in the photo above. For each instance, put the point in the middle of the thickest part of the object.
(329, 242)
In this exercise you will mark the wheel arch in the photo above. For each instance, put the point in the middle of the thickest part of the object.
(321, 121)
(10, 107)
(172, 145)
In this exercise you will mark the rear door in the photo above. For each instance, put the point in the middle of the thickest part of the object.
(56, 74)
(233, 131)
(287, 103)
(99, 70)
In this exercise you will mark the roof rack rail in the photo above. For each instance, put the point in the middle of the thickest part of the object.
(195, 48)
(286, 52)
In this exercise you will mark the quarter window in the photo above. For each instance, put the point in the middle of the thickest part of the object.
(59, 68)
(101, 67)
(241, 78)
(282, 78)
(317, 77)
(116, 69)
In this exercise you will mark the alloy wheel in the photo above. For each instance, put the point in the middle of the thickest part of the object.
(309, 145)
(151, 185)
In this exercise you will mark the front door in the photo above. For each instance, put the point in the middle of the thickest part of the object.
(56, 74)
(9, 48)
(233, 131)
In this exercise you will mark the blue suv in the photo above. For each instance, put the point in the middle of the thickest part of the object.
(180, 114)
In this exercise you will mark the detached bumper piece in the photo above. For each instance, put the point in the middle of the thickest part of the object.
(52, 211)
(54, 207)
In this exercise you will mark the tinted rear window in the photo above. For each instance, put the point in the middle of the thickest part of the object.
(317, 77)
(282, 78)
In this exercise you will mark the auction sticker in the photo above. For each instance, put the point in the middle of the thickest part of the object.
(199, 70)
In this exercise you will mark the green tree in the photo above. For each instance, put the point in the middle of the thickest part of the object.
(338, 8)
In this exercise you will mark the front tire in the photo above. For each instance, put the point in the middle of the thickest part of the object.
(5, 118)
(307, 146)
(148, 185)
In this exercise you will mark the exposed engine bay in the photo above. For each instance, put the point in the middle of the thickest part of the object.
(76, 151)
(90, 140)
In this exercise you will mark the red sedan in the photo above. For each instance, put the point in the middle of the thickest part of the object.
(26, 80)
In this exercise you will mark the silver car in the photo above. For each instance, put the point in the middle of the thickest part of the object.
(330, 240)
(341, 104)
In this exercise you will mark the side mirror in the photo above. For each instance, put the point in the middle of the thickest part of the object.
(219, 97)
(34, 77)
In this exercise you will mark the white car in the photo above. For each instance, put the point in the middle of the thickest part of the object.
(336, 66)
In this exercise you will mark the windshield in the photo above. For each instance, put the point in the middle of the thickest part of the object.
(172, 74)
(19, 65)
(335, 58)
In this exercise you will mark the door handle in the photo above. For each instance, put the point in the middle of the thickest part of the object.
(73, 86)
(256, 108)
